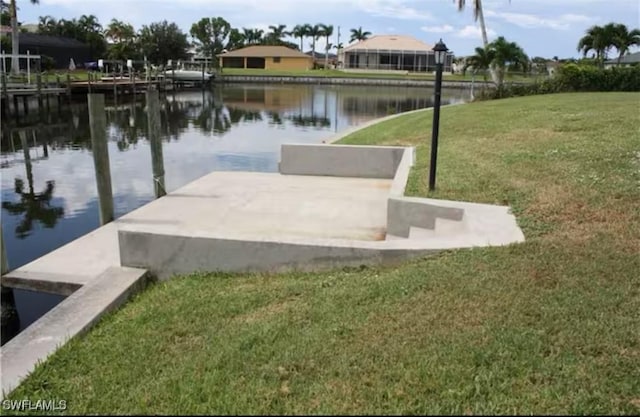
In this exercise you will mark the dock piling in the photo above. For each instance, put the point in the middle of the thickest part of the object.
(69, 86)
(5, 261)
(155, 141)
(100, 150)
(39, 90)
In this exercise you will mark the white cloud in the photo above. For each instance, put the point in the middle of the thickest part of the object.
(529, 21)
(438, 29)
(473, 32)
(393, 9)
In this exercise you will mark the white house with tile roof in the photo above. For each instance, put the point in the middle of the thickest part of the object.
(391, 53)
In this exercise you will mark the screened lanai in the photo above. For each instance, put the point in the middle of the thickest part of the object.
(391, 53)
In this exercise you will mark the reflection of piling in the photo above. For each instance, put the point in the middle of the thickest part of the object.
(9, 319)
(39, 89)
(98, 125)
(69, 86)
(5, 262)
(153, 125)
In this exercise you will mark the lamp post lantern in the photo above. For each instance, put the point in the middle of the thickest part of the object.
(440, 53)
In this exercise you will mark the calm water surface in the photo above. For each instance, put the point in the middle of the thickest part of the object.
(49, 194)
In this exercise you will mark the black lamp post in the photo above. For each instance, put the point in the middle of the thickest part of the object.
(440, 53)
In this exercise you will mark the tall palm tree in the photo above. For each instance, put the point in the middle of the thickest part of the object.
(598, 39)
(15, 42)
(478, 16)
(277, 33)
(314, 33)
(623, 39)
(327, 32)
(359, 34)
(252, 36)
(301, 31)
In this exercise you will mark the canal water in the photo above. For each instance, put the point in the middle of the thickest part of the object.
(49, 195)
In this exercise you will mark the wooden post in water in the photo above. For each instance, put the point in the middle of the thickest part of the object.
(115, 87)
(16, 107)
(69, 86)
(132, 79)
(5, 262)
(39, 88)
(5, 95)
(155, 141)
(98, 126)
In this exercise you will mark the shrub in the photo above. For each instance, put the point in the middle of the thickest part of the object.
(573, 78)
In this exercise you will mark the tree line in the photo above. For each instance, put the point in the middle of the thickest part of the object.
(162, 41)
(602, 39)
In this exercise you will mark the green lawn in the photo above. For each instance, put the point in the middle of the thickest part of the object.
(550, 326)
(372, 74)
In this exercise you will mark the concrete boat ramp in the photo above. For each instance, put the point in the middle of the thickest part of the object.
(329, 206)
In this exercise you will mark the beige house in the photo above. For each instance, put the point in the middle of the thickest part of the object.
(266, 57)
(391, 53)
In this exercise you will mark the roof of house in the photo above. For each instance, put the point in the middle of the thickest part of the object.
(264, 51)
(391, 42)
(633, 58)
(35, 40)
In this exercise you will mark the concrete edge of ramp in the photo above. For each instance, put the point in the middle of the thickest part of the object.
(73, 316)
(166, 255)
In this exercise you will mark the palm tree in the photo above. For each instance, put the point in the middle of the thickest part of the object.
(301, 31)
(623, 39)
(47, 25)
(507, 55)
(327, 32)
(314, 33)
(118, 31)
(598, 39)
(478, 16)
(15, 42)
(359, 34)
(277, 33)
(123, 36)
(253, 36)
(481, 61)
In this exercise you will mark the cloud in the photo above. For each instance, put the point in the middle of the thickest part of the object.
(392, 9)
(438, 29)
(530, 21)
(473, 32)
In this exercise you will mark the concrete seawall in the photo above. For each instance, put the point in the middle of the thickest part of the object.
(275, 79)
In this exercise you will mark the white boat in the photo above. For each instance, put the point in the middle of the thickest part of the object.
(187, 75)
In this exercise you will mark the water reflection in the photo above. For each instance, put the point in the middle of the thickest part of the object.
(9, 318)
(232, 127)
(30, 205)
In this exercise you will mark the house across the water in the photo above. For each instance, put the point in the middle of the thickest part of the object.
(391, 53)
(266, 57)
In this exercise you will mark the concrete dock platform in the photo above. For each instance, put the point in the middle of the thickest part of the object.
(331, 206)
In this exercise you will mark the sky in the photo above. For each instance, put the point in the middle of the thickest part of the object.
(544, 28)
